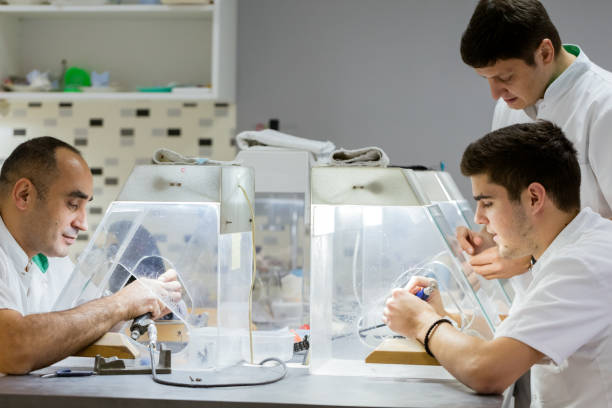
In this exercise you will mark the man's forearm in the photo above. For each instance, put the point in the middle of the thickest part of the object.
(458, 353)
(488, 367)
(42, 339)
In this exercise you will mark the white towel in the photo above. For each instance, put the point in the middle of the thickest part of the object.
(270, 139)
(366, 156)
(167, 156)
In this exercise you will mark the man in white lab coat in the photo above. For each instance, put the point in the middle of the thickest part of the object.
(514, 45)
(45, 186)
(562, 327)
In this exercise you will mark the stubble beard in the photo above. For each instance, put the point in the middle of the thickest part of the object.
(526, 245)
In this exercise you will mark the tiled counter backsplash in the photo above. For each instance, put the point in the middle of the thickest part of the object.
(113, 136)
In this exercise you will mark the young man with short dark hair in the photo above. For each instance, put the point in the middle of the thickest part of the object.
(514, 45)
(562, 327)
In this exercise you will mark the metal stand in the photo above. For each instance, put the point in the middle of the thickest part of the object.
(117, 366)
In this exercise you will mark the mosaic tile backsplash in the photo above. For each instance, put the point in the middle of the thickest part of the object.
(114, 136)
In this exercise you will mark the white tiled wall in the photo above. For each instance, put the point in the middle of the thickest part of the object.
(113, 136)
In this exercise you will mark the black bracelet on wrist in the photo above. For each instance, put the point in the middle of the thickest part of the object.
(430, 330)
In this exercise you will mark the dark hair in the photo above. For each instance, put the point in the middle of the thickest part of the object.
(505, 29)
(518, 155)
(34, 160)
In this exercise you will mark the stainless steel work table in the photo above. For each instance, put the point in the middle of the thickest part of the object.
(297, 389)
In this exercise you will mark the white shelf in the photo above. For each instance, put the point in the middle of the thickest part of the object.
(92, 96)
(140, 45)
(121, 10)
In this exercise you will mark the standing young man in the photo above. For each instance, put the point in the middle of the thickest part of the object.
(514, 45)
(45, 186)
(526, 181)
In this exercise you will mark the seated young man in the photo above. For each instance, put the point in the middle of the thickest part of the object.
(526, 181)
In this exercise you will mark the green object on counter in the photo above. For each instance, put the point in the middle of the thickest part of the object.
(75, 78)
(156, 89)
(72, 88)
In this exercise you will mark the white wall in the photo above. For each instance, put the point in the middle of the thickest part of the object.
(384, 72)
(113, 136)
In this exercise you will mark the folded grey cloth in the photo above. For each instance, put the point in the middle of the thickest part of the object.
(272, 139)
(366, 156)
(167, 156)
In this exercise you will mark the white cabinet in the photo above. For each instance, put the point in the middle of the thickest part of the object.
(142, 46)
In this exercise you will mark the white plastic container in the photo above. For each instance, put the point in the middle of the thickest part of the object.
(268, 343)
(211, 347)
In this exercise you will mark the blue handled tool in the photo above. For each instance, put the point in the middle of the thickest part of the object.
(424, 293)
(67, 372)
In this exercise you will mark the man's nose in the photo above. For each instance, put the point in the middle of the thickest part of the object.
(479, 218)
(497, 90)
(80, 222)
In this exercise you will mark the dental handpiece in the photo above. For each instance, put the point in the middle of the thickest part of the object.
(140, 325)
(152, 330)
(424, 293)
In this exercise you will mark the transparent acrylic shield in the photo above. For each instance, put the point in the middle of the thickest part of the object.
(489, 294)
(460, 214)
(440, 189)
(281, 292)
(142, 240)
(359, 254)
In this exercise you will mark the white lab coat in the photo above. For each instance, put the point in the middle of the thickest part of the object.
(23, 286)
(45, 288)
(565, 314)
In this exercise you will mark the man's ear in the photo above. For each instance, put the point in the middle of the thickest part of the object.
(545, 52)
(536, 194)
(23, 194)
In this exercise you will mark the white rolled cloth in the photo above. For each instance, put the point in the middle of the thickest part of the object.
(167, 156)
(268, 138)
(366, 156)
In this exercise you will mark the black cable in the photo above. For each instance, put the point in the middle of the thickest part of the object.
(371, 328)
(359, 331)
(200, 385)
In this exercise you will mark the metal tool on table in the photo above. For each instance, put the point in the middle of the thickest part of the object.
(113, 365)
(117, 366)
